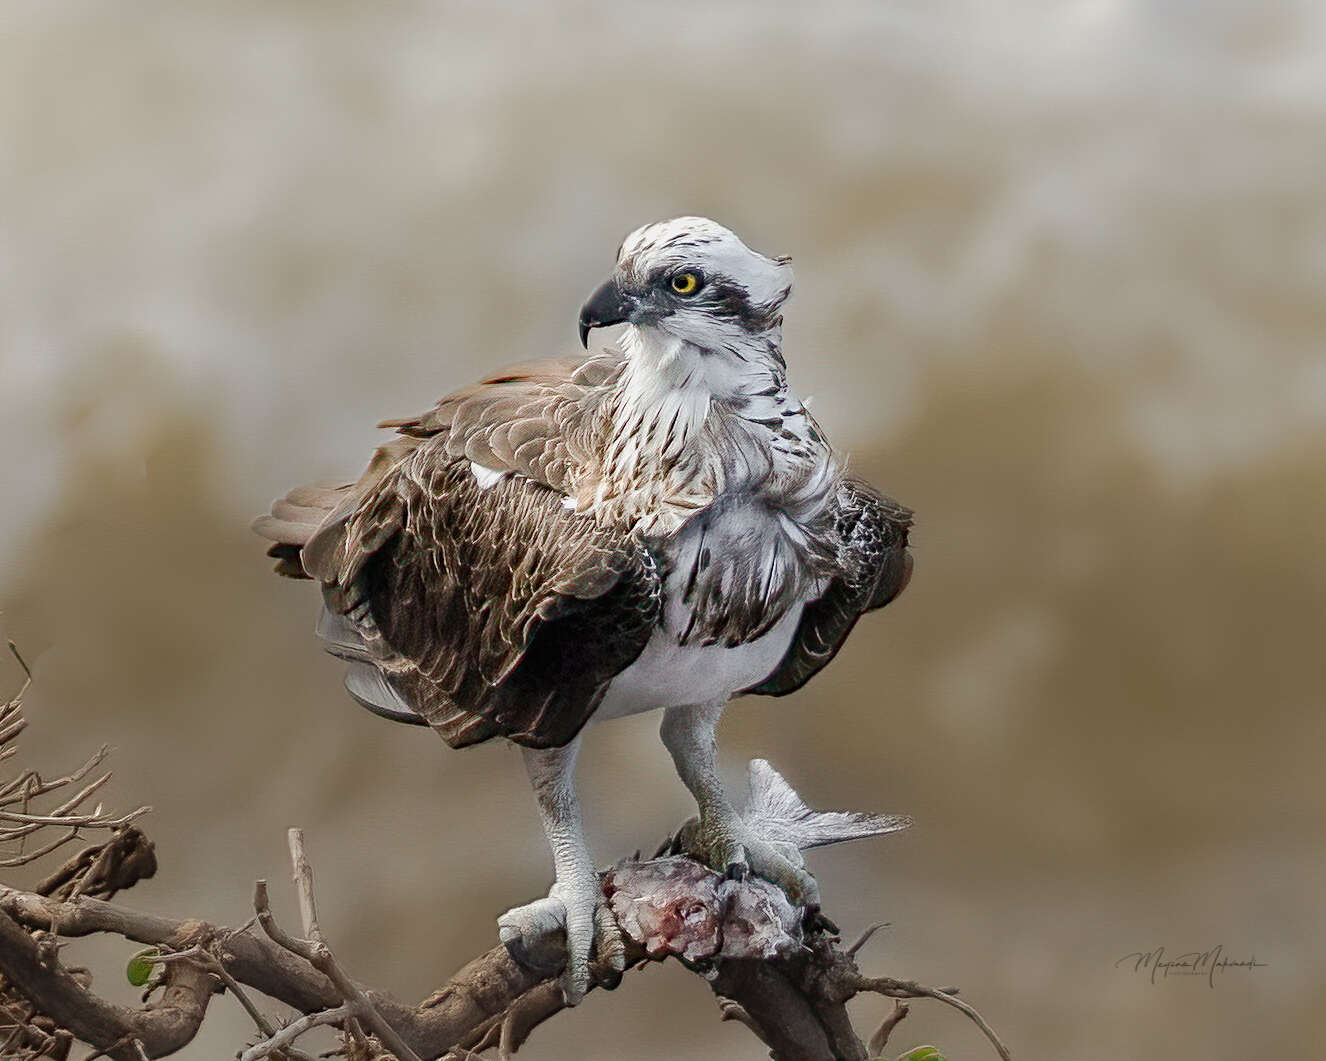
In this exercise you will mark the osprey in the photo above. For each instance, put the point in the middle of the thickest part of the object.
(657, 525)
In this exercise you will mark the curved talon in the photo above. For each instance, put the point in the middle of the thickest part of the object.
(814, 921)
(609, 948)
(738, 866)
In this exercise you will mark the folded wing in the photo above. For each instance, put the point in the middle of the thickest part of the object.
(481, 609)
(875, 567)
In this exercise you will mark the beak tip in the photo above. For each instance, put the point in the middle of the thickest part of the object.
(607, 306)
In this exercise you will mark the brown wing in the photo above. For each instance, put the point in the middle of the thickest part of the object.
(533, 418)
(485, 611)
(875, 568)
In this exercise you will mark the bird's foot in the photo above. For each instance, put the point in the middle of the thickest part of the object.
(571, 930)
(729, 845)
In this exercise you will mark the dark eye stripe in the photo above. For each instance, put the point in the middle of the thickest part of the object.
(727, 298)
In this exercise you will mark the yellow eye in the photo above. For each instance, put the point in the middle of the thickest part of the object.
(685, 283)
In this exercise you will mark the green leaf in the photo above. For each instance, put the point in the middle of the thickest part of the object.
(922, 1053)
(139, 970)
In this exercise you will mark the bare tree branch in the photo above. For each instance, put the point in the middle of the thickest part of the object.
(787, 983)
(19, 819)
(162, 1029)
(796, 1003)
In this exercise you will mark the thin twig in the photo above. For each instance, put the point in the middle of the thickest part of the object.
(38, 787)
(293, 1031)
(96, 819)
(195, 953)
(20, 1025)
(32, 856)
(213, 965)
(356, 1032)
(106, 1051)
(242, 997)
(303, 877)
(730, 1009)
(881, 1037)
(865, 937)
(319, 955)
(21, 661)
(886, 985)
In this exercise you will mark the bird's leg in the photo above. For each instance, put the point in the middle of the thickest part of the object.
(575, 902)
(721, 836)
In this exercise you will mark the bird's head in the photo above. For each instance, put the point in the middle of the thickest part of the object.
(694, 280)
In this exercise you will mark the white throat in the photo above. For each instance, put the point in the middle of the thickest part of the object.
(686, 425)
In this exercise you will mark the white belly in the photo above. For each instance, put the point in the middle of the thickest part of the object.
(671, 675)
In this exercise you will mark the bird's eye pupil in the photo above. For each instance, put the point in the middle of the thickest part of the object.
(685, 283)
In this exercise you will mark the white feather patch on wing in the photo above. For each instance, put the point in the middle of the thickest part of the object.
(486, 477)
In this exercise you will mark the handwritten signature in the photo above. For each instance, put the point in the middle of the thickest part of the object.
(1205, 963)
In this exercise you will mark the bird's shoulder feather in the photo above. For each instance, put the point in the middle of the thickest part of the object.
(535, 419)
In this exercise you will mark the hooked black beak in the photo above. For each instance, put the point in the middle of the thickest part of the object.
(606, 306)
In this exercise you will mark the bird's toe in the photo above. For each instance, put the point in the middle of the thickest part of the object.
(532, 934)
(570, 931)
(583, 901)
(609, 947)
(796, 882)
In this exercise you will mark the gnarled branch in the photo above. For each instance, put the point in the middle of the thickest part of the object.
(788, 983)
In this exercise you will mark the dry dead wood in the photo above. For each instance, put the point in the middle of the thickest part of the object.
(787, 982)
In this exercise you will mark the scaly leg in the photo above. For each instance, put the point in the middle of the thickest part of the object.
(575, 901)
(722, 836)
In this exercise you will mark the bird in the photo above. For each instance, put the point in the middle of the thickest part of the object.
(657, 524)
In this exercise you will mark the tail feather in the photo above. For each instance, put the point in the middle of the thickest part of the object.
(369, 686)
(307, 530)
(293, 521)
(776, 812)
(341, 639)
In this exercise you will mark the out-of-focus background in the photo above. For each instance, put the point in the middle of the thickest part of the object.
(1060, 288)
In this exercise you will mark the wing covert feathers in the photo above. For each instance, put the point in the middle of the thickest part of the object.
(534, 418)
(499, 612)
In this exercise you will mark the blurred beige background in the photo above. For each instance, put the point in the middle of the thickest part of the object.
(1061, 271)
